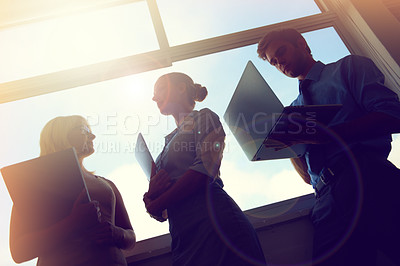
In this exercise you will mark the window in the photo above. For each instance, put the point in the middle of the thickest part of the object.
(188, 21)
(75, 40)
(120, 106)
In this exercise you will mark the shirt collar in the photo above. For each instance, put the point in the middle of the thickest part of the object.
(314, 73)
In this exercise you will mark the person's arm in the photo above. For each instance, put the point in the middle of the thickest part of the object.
(120, 234)
(26, 245)
(158, 184)
(300, 165)
(369, 126)
(191, 182)
(127, 239)
(210, 136)
(380, 105)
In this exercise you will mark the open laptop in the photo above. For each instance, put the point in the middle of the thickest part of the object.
(255, 113)
(143, 156)
(44, 189)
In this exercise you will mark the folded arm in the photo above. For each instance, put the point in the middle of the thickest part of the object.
(125, 237)
(191, 182)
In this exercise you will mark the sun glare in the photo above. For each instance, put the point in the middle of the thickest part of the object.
(76, 40)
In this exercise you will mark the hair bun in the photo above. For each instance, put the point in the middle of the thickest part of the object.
(200, 92)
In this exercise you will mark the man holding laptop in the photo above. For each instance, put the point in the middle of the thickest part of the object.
(356, 214)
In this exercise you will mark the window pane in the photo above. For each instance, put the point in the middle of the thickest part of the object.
(73, 41)
(187, 21)
(16, 11)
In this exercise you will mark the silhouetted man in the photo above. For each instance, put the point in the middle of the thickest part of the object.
(357, 210)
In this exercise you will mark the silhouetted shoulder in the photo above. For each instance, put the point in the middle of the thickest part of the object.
(356, 62)
(207, 120)
(108, 181)
(208, 112)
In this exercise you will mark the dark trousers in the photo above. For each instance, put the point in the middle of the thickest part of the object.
(356, 216)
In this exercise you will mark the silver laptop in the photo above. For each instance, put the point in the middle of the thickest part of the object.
(44, 189)
(143, 156)
(255, 113)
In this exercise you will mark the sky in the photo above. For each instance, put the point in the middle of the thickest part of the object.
(117, 110)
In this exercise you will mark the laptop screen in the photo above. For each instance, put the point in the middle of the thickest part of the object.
(143, 156)
(44, 189)
(252, 111)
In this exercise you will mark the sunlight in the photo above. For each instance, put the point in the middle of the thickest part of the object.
(73, 41)
(201, 17)
(394, 155)
(118, 109)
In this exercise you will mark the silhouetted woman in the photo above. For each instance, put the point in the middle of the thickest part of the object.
(94, 233)
(206, 225)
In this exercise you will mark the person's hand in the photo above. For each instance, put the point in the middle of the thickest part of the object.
(105, 233)
(85, 214)
(159, 183)
(153, 210)
(151, 206)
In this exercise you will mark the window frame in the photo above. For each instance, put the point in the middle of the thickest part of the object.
(346, 18)
(360, 33)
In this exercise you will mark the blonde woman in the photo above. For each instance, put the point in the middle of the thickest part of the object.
(94, 233)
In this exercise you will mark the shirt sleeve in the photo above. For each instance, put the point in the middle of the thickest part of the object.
(366, 83)
(209, 139)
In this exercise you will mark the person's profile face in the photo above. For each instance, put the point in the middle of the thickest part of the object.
(81, 138)
(165, 96)
(286, 57)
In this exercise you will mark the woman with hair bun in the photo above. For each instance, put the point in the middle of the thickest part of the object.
(206, 225)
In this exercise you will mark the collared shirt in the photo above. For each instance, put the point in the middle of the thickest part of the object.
(357, 83)
(197, 144)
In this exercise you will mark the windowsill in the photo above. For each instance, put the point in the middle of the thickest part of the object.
(263, 219)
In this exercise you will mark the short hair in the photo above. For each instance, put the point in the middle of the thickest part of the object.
(54, 135)
(195, 91)
(289, 35)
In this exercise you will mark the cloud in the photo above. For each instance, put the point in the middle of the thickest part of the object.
(254, 189)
